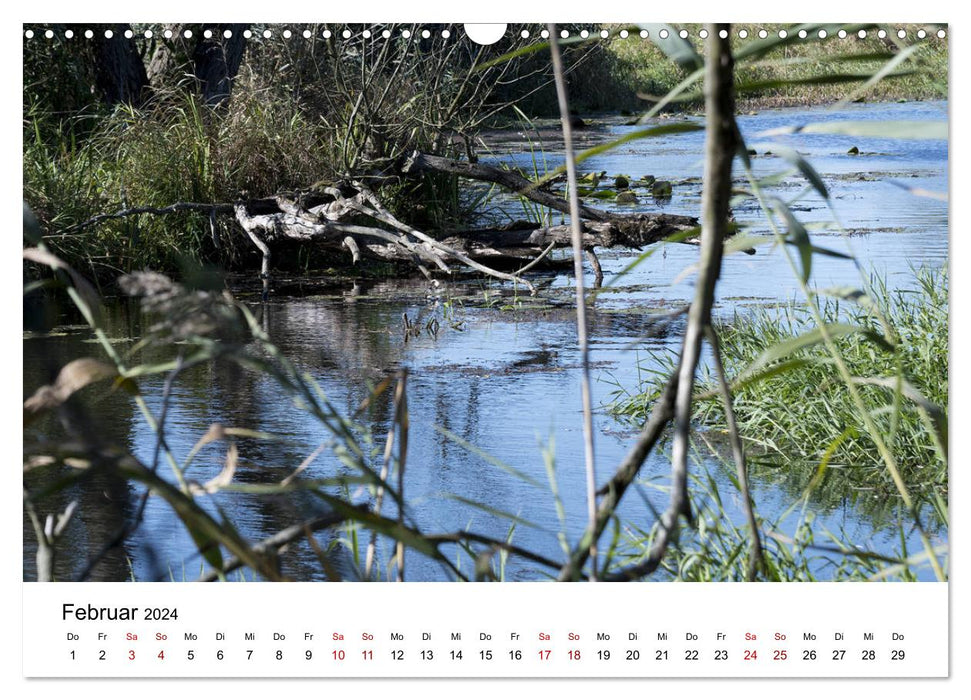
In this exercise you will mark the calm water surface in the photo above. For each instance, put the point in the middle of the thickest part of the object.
(508, 383)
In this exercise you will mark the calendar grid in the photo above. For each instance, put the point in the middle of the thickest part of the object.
(509, 630)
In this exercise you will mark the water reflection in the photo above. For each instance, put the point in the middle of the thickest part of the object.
(507, 383)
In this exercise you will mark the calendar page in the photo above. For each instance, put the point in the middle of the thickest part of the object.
(613, 350)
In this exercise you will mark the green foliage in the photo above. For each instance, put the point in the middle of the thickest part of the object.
(716, 547)
(174, 150)
(301, 115)
(795, 412)
(793, 73)
(59, 82)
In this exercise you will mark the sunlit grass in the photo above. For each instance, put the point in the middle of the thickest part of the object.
(795, 413)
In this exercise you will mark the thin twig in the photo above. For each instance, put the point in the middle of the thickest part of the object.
(401, 418)
(577, 236)
(755, 560)
(212, 209)
(47, 536)
(128, 529)
(466, 536)
(276, 542)
(719, 151)
(613, 492)
(535, 261)
(308, 460)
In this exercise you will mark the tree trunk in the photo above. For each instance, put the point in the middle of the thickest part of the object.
(217, 61)
(167, 56)
(119, 71)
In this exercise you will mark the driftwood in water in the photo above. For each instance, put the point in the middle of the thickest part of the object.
(321, 219)
(524, 240)
(420, 163)
(650, 228)
(520, 240)
(350, 219)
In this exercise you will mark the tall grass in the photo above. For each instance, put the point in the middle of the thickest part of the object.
(796, 413)
(796, 545)
(301, 114)
(856, 385)
(632, 68)
(174, 150)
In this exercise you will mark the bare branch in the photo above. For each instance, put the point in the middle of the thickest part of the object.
(178, 207)
(755, 550)
(613, 492)
(576, 238)
(719, 152)
(277, 542)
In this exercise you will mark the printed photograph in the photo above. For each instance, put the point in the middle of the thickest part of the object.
(568, 302)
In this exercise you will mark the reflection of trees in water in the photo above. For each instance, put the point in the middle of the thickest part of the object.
(363, 339)
(630, 326)
(348, 346)
(472, 406)
(105, 503)
(345, 347)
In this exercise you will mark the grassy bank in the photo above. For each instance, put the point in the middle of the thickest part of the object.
(300, 116)
(295, 119)
(628, 70)
(795, 413)
(175, 150)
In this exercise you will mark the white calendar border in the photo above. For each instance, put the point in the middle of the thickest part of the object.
(502, 10)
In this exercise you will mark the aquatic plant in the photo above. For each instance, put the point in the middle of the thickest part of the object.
(881, 400)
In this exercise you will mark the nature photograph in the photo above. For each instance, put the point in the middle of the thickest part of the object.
(381, 302)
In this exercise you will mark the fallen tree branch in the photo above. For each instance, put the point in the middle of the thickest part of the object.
(382, 214)
(322, 224)
(420, 163)
(178, 207)
(424, 163)
(524, 240)
(268, 220)
(250, 228)
(330, 217)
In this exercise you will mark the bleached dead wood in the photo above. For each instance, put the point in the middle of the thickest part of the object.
(348, 217)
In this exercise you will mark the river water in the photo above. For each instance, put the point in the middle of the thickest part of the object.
(507, 379)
